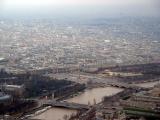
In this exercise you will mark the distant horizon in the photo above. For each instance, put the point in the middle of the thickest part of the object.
(79, 8)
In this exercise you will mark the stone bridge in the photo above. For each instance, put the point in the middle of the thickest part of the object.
(65, 104)
(124, 85)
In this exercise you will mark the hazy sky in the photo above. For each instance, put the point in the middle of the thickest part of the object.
(82, 7)
(13, 3)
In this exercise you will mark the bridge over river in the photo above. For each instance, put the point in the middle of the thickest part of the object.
(65, 104)
(125, 85)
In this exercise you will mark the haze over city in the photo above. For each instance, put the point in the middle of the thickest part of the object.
(80, 8)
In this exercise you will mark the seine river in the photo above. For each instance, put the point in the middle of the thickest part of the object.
(89, 96)
(94, 95)
(55, 114)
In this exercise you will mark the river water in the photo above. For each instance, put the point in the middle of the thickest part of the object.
(95, 95)
(55, 114)
(89, 96)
